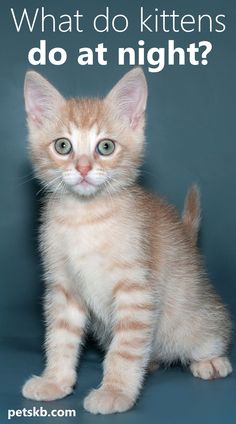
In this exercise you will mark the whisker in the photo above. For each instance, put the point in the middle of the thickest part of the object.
(47, 185)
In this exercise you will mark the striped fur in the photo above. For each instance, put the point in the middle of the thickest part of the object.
(117, 260)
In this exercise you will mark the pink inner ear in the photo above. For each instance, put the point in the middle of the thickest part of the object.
(34, 101)
(36, 115)
(134, 122)
(129, 96)
(42, 100)
(134, 100)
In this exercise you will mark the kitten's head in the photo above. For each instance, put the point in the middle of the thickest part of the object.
(86, 146)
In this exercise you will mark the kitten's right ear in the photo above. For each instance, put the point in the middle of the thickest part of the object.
(42, 100)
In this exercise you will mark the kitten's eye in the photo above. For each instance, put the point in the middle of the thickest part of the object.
(63, 146)
(105, 147)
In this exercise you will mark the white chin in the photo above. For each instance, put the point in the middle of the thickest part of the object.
(84, 189)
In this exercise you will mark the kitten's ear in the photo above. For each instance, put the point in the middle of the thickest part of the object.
(129, 97)
(42, 100)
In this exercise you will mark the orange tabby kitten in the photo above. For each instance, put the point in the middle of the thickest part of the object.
(116, 258)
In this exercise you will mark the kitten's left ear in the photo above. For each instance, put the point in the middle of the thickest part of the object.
(42, 100)
(128, 98)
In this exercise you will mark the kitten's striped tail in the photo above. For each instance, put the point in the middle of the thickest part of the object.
(192, 212)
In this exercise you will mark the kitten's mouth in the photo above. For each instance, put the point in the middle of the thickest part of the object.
(85, 183)
(84, 186)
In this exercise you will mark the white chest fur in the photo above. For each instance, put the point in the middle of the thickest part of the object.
(90, 242)
(89, 260)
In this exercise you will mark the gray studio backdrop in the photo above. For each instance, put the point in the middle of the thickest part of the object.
(190, 138)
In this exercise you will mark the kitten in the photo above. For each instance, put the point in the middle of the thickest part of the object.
(116, 258)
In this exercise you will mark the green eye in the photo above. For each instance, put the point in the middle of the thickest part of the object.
(63, 146)
(105, 147)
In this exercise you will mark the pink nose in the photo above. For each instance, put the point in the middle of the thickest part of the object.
(83, 165)
(83, 170)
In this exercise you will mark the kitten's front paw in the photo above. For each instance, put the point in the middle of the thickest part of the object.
(104, 401)
(41, 388)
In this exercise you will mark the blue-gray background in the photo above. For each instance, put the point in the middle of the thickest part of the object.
(191, 138)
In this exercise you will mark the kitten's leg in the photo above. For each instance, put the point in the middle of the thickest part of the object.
(66, 319)
(207, 355)
(127, 358)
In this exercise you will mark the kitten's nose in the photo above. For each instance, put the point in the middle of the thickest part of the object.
(83, 165)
